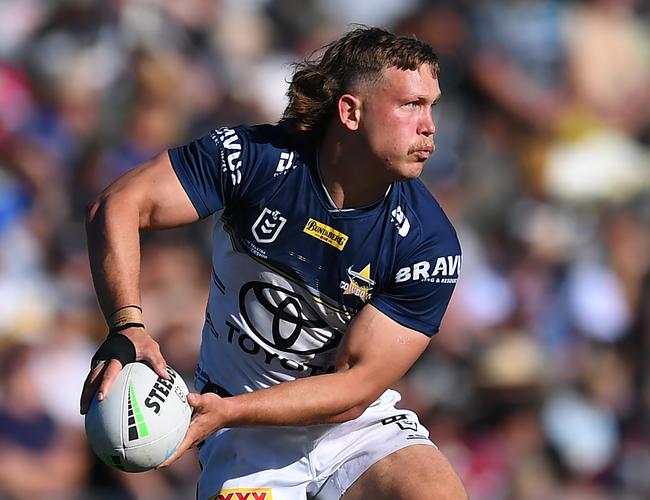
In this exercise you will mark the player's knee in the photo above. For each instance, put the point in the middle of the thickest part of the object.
(412, 472)
(445, 481)
(441, 479)
(453, 489)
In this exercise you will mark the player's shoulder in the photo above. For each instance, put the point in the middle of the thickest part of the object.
(419, 212)
(265, 138)
(264, 135)
(269, 148)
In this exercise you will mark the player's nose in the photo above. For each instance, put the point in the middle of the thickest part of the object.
(427, 125)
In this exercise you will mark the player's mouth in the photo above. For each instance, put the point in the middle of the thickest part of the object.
(422, 153)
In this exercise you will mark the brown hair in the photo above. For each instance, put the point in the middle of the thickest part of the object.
(358, 57)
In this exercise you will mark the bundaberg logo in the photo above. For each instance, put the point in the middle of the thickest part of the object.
(326, 234)
(359, 283)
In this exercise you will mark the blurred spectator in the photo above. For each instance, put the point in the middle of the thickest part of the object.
(519, 58)
(608, 49)
(40, 456)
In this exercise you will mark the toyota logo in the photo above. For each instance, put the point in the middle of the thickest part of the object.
(284, 319)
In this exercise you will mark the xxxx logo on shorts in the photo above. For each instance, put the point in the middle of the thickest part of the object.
(325, 233)
(244, 494)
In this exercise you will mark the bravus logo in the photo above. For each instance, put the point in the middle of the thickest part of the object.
(232, 148)
(443, 270)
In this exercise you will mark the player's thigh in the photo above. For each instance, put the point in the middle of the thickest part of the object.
(418, 471)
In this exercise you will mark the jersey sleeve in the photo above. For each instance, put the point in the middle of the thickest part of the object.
(419, 292)
(213, 168)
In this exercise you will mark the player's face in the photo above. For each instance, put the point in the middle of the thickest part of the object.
(396, 117)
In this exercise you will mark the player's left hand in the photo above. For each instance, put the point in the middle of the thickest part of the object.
(208, 417)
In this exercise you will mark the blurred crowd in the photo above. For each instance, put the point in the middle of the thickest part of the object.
(537, 386)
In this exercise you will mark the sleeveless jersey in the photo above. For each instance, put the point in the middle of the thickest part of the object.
(290, 270)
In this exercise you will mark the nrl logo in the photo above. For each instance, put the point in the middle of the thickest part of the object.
(360, 283)
(268, 225)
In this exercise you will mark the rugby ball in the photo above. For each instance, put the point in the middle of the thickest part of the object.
(142, 419)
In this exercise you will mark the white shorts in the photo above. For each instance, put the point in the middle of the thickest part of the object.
(297, 463)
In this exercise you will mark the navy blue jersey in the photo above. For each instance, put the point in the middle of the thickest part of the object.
(290, 270)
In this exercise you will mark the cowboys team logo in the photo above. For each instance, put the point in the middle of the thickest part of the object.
(360, 283)
(268, 225)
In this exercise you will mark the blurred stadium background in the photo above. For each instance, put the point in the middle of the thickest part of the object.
(537, 388)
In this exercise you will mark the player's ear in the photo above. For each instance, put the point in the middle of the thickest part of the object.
(349, 109)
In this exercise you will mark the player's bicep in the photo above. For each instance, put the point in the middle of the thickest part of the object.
(379, 350)
(155, 190)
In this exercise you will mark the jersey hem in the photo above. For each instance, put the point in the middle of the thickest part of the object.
(420, 327)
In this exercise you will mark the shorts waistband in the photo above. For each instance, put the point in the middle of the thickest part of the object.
(217, 389)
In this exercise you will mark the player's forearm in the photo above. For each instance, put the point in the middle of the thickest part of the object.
(322, 399)
(112, 228)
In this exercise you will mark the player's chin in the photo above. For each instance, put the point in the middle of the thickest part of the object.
(411, 170)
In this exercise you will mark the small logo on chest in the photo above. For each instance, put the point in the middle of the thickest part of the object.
(400, 221)
(284, 164)
(325, 233)
(359, 283)
(268, 225)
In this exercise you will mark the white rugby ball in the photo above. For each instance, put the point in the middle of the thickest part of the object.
(142, 419)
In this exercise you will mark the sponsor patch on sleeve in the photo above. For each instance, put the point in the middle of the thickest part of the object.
(443, 270)
(231, 152)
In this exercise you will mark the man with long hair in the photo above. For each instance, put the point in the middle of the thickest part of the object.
(332, 267)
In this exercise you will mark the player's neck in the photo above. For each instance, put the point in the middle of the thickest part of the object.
(348, 175)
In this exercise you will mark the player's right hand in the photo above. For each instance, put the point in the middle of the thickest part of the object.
(101, 377)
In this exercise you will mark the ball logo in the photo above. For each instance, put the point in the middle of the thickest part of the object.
(284, 320)
(159, 392)
(179, 393)
(137, 427)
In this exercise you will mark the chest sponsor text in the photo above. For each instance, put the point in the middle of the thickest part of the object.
(326, 234)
